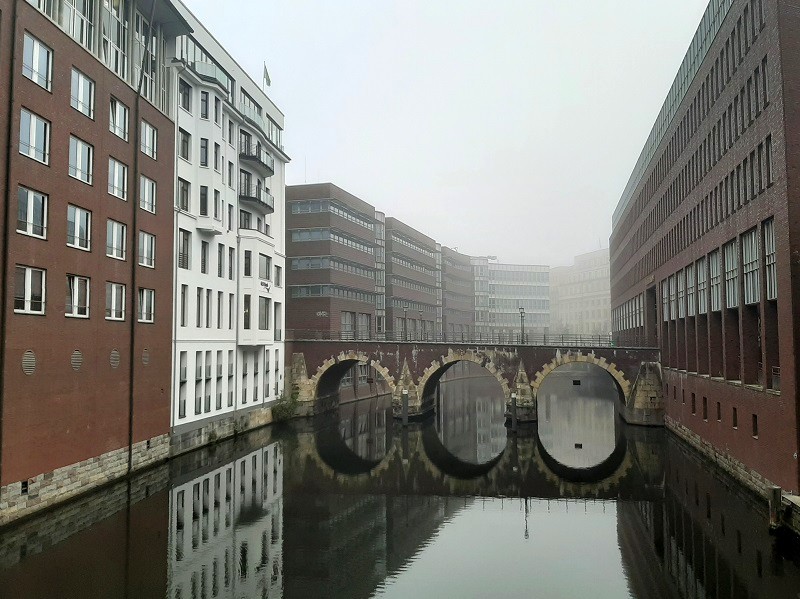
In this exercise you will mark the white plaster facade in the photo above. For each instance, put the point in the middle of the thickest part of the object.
(229, 235)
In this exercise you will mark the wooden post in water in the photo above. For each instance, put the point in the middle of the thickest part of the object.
(774, 496)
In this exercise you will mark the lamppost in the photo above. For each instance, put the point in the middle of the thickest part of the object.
(420, 324)
(522, 324)
(405, 323)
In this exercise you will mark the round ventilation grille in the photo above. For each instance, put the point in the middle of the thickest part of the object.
(145, 356)
(29, 362)
(76, 360)
(114, 358)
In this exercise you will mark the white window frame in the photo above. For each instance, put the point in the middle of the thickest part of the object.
(73, 309)
(115, 301)
(27, 292)
(770, 266)
(75, 216)
(82, 93)
(117, 179)
(750, 267)
(32, 150)
(147, 249)
(34, 48)
(149, 140)
(83, 152)
(147, 305)
(118, 118)
(147, 194)
(116, 239)
(30, 225)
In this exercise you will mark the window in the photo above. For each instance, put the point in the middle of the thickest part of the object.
(149, 140)
(117, 179)
(184, 299)
(184, 144)
(714, 269)
(185, 95)
(231, 260)
(80, 160)
(32, 213)
(199, 319)
(770, 271)
(246, 319)
(752, 290)
(731, 274)
(37, 61)
(184, 243)
(217, 205)
(29, 290)
(248, 263)
(263, 313)
(264, 266)
(278, 276)
(204, 257)
(34, 137)
(115, 301)
(118, 119)
(217, 150)
(245, 220)
(184, 191)
(82, 94)
(147, 302)
(217, 110)
(220, 260)
(203, 105)
(77, 21)
(147, 249)
(231, 132)
(114, 25)
(147, 194)
(203, 200)
(702, 297)
(77, 305)
(115, 240)
(203, 151)
(79, 227)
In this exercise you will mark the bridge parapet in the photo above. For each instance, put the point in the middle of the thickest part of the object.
(414, 369)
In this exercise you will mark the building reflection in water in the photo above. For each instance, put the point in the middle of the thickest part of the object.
(470, 413)
(578, 423)
(226, 529)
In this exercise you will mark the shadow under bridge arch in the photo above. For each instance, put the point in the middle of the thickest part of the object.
(433, 374)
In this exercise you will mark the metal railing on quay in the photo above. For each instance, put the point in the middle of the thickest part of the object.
(565, 340)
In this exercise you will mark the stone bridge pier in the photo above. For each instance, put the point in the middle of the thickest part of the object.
(412, 372)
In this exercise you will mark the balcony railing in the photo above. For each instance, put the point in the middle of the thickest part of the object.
(183, 260)
(256, 152)
(259, 195)
(210, 72)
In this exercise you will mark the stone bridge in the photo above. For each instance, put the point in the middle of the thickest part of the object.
(413, 369)
(416, 463)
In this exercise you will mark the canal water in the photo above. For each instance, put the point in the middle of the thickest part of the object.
(352, 505)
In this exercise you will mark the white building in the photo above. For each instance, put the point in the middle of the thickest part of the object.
(229, 237)
(580, 296)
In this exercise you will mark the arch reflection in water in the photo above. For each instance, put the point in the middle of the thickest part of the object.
(579, 426)
(226, 528)
(470, 414)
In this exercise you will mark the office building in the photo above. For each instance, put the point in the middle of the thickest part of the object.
(88, 264)
(580, 296)
(229, 231)
(703, 239)
(457, 295)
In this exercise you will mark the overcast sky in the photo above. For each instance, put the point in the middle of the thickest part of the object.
(506, 127)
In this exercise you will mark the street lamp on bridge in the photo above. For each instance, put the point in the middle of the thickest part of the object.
(420, 324)
(405, 323)
(522, 324)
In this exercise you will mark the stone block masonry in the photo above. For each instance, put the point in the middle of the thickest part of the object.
(217, 429)
(47, 490)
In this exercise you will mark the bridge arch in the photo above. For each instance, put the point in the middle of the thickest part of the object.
(328, 376)
(580, 358)
(433, 373)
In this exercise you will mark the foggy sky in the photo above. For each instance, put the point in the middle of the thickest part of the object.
(506, 128)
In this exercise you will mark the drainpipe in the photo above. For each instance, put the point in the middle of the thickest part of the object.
(135, 238)
(6, 210)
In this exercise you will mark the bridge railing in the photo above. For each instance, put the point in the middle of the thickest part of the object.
(566, 340)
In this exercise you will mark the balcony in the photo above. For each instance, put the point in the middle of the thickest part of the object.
(257, 155)
(209, 225)
(258, 196)
(211, 73)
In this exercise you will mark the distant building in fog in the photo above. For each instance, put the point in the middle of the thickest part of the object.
(580, 296)
(501, 290)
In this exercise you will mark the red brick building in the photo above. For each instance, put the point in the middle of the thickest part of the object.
(704, 239)
(87, 245)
